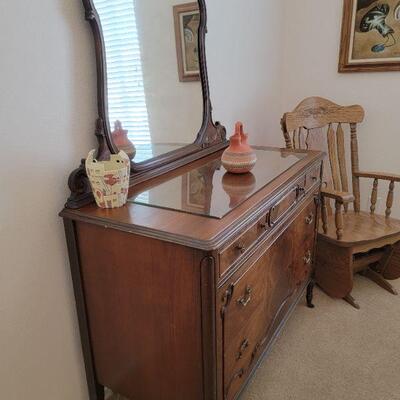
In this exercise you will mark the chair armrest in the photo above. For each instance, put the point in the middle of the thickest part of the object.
(341, 197)
(378, 175)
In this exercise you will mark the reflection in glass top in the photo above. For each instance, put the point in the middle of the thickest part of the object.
(146, 98)
(210, 191)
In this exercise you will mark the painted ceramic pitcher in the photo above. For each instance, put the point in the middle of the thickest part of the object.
(239, 157)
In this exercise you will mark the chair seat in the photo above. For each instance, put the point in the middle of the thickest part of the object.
(362, 228)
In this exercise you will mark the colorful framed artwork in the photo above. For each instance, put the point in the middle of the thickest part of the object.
(370, 36)
(187, 23)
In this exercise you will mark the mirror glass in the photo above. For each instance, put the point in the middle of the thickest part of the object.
(154, 93)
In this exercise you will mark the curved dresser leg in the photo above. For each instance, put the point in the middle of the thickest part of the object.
(310, 294)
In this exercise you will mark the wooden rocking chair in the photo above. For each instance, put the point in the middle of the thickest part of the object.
(349, 241)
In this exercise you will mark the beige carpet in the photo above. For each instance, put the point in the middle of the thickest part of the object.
(335, 352)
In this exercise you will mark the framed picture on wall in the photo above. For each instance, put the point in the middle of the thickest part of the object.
(187, 22)
(370, 36)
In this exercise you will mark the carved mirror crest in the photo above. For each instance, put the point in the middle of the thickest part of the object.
(153, 93)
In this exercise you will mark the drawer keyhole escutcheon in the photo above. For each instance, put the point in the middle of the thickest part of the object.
(310, 219)
(245, 300)
(245, 344)
(308, 257)
(241, 247)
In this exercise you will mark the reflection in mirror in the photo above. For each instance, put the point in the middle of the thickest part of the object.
(154, 93)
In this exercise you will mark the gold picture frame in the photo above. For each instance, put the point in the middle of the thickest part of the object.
(370, 39)
(187, 22)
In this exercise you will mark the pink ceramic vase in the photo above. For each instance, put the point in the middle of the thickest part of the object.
(239, 157)
(120, 138)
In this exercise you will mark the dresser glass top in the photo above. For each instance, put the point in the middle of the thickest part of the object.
(210, 191)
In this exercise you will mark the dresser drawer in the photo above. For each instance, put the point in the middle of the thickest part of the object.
(284, 205)
(248, 295)
(242, 353)
(257, 303)
(305, 229)
(239, 247)
(279, 210)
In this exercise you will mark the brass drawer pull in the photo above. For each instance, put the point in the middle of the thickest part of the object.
(241, 247)
(272, 217)
(263, 225)
(310, 219)
(245, 300)
(308, 257)
(300, 191)
(245, 344)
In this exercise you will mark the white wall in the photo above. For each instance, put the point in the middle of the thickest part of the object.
(244, 55)
(47, 111)
(311, 53)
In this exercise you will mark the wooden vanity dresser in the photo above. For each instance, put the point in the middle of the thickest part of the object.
(182, 291)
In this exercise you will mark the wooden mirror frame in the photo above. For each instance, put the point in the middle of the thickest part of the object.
(211, 137)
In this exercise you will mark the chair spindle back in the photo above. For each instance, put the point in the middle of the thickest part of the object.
(304, 129)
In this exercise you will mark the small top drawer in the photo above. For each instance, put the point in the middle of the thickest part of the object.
(306, 182)
(283, 206)
(240, 246)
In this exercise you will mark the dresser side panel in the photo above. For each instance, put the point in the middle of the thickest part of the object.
(144, 308)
